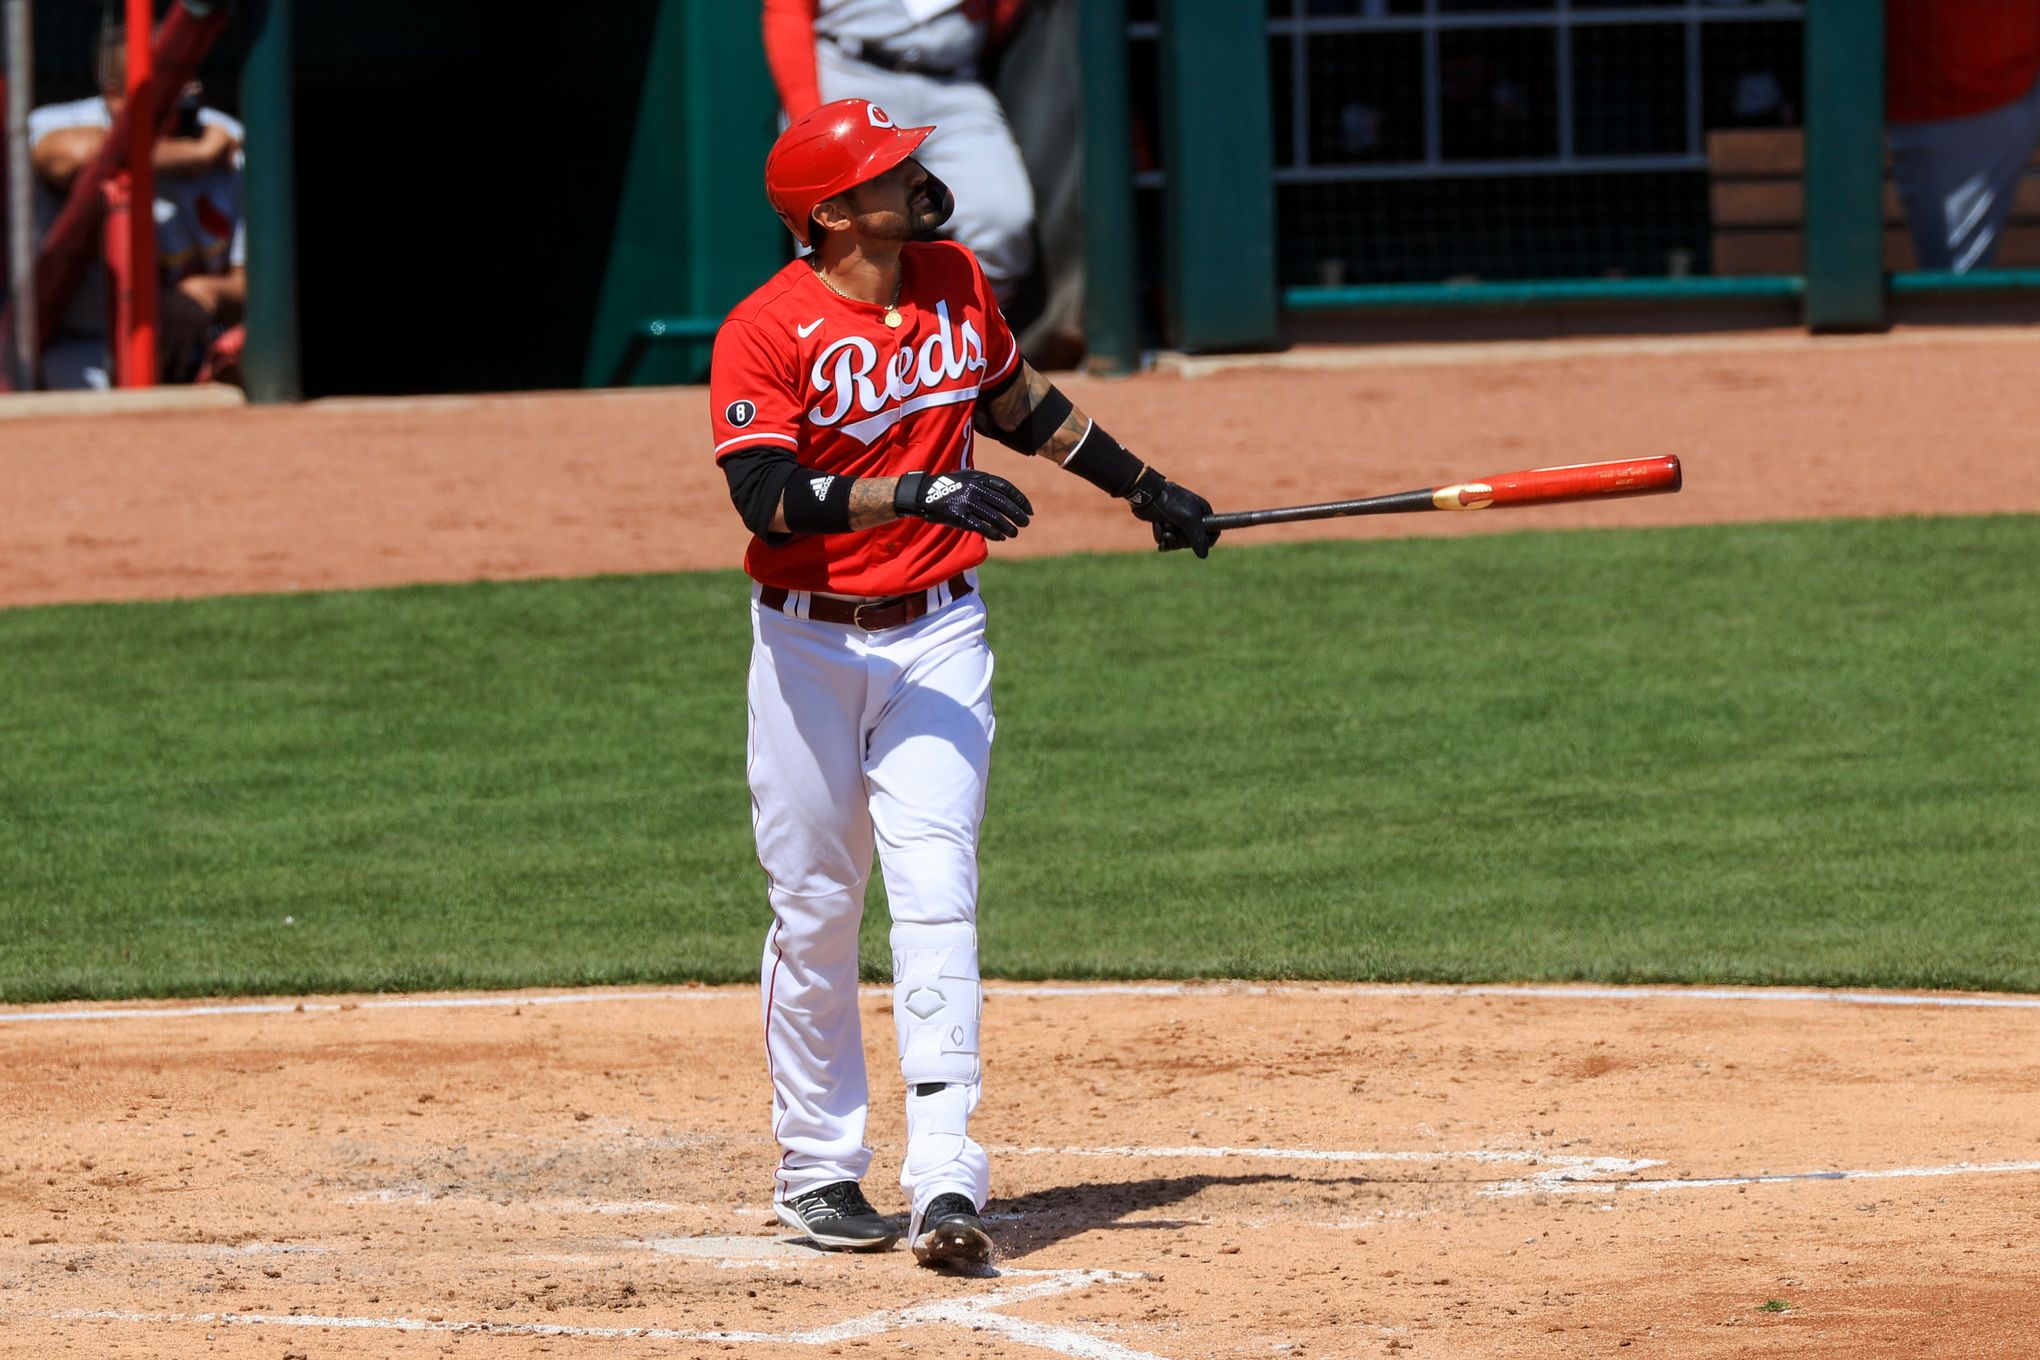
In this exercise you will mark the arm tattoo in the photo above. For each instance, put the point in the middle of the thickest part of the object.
(1017, 402)
(871, 502)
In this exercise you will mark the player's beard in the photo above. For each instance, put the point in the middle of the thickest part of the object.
(921, 217)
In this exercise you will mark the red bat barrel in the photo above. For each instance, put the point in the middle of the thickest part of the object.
(1547, 486)
(1537, 486)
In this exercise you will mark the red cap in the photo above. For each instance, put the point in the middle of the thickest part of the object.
(830, 149)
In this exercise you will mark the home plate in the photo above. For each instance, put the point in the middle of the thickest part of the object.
(737, 1248)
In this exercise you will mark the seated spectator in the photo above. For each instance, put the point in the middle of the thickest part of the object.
(201, 251)
(1962, 109)
(919, 60)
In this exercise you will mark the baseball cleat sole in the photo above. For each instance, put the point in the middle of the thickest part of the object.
(953, 1243)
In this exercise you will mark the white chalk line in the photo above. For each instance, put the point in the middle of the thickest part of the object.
(1978, 1000)
(1564, 1160)
(1558, 1173)
(1562, 1173)
(1569, 1185)
(535, 1206)
(975, 1312)
(1984, 1000)
(200, 1249)
(1558, 1167)
(391, 1003)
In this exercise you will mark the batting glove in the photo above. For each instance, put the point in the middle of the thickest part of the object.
(964, 499)
(1176, 512)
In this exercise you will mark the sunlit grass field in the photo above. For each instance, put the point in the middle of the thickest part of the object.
(1803, 753)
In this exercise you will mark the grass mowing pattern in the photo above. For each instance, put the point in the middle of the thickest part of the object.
(1798, 753)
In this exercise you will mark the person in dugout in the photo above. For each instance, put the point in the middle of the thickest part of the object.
(1962, 113)
(201, 247)
(922, 60)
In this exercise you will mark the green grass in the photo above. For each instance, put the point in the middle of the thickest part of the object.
(1803, 753)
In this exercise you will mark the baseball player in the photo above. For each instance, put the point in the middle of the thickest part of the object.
(920, 59)
(846, 397)
(1963, 115)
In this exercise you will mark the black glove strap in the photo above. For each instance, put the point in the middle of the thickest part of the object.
(1103, 462)
(907, 494)
(1146, 489)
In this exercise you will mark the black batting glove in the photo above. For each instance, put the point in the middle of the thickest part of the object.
(964, 499)
(1176, 512)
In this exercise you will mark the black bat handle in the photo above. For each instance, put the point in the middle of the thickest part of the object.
(1398, 503)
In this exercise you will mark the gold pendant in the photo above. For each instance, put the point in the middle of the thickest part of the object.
(893, 318)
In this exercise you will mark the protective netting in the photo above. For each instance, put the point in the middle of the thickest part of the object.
(1432, 140)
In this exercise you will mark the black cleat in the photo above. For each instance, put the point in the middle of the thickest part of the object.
(838, 1216)
(949, 1235)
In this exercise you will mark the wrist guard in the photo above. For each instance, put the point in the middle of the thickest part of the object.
(818, 502)
(1103, 462)
(906, 496)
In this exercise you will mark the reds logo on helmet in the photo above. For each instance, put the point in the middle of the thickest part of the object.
(828, 150)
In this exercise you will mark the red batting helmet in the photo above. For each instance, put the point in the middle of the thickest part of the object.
(830, 149)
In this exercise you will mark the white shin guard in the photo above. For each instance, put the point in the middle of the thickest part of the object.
(936, 1001)
(936, 1004)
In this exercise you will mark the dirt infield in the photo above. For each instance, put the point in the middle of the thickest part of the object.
(345, 493)
(1320, 1171)
(1178, 1173)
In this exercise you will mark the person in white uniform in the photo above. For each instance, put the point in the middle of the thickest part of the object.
(846, 397)
(921, 60)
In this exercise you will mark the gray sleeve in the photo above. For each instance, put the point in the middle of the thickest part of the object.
(56, 117)
(214, 118)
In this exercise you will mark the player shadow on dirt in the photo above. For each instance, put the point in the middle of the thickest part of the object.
(1030, 1222)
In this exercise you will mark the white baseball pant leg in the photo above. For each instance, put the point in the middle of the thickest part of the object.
(861, 739)
(972, 150)
(1958, 179)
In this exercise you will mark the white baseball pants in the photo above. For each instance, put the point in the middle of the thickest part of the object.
(859, 740)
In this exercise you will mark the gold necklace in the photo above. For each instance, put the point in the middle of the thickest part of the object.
(892, 309)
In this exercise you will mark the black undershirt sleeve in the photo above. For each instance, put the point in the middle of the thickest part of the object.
(760, 479)
(758, 476)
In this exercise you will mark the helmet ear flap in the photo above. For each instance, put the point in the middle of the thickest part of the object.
(945, 201)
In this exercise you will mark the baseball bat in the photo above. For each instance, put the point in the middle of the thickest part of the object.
(1534, 486)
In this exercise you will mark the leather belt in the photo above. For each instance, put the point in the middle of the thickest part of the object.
(907, 61)
(871, 615)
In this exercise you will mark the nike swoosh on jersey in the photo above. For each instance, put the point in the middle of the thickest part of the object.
(805, 331)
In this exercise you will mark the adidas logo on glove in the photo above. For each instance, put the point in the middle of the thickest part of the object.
(942, 487)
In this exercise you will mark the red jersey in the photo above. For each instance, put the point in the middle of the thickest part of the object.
(1958, 58)
(798, 366)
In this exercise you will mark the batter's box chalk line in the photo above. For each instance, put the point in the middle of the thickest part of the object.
(1502, 991)
(1558, 1173)
(1566, 1183)
(1554, 1168)
(977, 1313)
